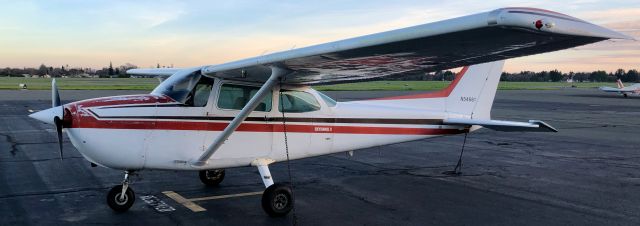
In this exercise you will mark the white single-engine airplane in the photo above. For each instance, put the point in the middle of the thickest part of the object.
(261, 110)
(625, 91)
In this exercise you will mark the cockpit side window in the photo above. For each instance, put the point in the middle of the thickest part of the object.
(330, 102)
(199, 96)
(235, 97)
(297, 101)
(179, 85)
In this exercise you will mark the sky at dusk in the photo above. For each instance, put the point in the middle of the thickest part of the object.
(85, 33)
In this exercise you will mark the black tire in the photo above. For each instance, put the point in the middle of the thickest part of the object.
(277, 200)
(212, 177)
(113, 199)
(625, 95)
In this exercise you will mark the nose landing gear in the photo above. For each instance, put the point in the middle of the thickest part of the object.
(120, 198)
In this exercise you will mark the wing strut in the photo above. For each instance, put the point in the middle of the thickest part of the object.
(276, 74)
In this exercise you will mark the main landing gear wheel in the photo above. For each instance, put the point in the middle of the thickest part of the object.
(277, 200)
(119, 202)
(212, 177)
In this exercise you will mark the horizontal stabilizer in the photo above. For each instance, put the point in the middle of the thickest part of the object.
(505, 126)
(629, 89)
(609, 89)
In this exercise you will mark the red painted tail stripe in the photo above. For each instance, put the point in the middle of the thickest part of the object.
(441, 93)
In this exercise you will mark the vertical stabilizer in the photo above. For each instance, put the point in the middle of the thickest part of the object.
(619, 83)
(474, 93)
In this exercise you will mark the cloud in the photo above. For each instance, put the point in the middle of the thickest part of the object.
(189, 33)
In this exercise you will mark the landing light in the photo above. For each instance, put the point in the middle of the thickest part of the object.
(538, 24)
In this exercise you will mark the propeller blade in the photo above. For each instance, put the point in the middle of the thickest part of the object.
(55, 102)
(55, 97)
(58, 123)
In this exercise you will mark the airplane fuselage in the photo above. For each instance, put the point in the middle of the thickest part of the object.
(156, 132)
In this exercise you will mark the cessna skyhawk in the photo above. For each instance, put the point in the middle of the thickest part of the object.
(261, 110)
(625, 91)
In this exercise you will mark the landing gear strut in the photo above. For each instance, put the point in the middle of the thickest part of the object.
(277, 199)
(120, 198)
(212, 177)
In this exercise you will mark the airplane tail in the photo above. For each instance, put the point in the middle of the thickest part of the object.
(470, 94)
(475, 90)
(619, 83)
(468, 101)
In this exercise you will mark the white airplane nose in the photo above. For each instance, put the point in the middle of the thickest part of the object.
(48, 115)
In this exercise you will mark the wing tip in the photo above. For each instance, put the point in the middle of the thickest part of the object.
(543, 125)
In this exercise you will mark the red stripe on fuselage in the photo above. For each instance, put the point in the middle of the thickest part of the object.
(86, 120)
(90, 122)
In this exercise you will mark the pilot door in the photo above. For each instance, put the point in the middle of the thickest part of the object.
(253, 138)
(181, 129)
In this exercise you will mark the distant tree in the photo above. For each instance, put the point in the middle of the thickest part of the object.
(110, 70)
(632, 76)
(103, 73)
(124, 68)
(42, 70)
(158, 65)
(598, 76)
(581, 77)
(448, 75)
(555, 76)
(620, 74)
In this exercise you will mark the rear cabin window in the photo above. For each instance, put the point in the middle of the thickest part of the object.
(297, 101)
(235, 97)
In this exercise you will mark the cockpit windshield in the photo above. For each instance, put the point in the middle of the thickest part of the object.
(179, 85)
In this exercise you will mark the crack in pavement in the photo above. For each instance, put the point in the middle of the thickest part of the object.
(14, 144)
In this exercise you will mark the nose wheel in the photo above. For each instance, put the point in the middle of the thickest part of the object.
(120, 198)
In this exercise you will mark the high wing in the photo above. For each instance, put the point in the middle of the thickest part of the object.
(161, 72)
(499, 34)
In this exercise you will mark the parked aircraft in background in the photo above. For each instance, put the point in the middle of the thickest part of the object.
(625, 91)
(261, 110)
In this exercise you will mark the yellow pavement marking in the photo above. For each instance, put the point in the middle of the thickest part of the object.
(189, 203)
(225, 196)
(185, 202)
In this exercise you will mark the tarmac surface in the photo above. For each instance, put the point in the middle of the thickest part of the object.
(586, 174)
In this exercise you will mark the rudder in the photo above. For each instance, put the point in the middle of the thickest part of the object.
(474, 93)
